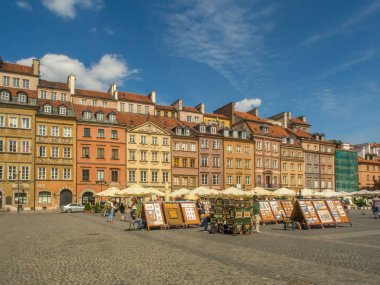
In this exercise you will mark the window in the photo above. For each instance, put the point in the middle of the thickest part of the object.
(165, 141)
(54, 96)
(258, 162)
(67, 152)
(54, 131)
(12, 146)
(204, 143)
(47, 108)
(100, 153)
(284, 179)
(13, 122)
(2, 121)
(213, 130)
(184, 146)
(84, 102)
(299, 154)
(246, 150)
(299, 167)
(146, 109)
(104, 104)
(12, 173)
(100, 133)
(54, 152)
(114, 175)
(202, 129)
(284, 166)
(154, 176)
(99, 116)
(131, 175)
(274, 147)
(44, 197)
(258, 145)
(204, 161)
(25, 146)
(43, 94)
(184, 181)
(62, 110)
(229, 179)
(130, 108)
(176, 162)
(20, 198)
(229, 148)
(22, 97)
(100, 175)
(85, 175)
(192, 163)
(41, 173)
(215, 179)
(292, 180)
(215, 161)
(238, 149)
(165, 176)
(25, 173)
(5, 95)
(165, 157)
(143, 156)
(6, 80)
(247, 164)
(154, 141)
(122, 107)
(143, 140)
(63, 97)
(42, 151)
(178, 131)
(299, 180)
(192, 147)
(238, 163)
(176, 181)
(67, 173)
(165, 113)
(266, 145)
(112, 117)
(267, 163)
(132, 139)
(25, 83)
(115, 153)
(259, 179)
(204, 179)
(292, 166)
(143, 176)
(229, 162)
(54, 173)
(67, 132)
(87, 115)
(238, 179)
(87, 132)
(132, 155)
(247, 180)
(113, 134)
(215, 144)
(16, 82)
(138, 109)
(155, 156)
(187, 132)
(189, 118)
(1, 145)
(94, 103)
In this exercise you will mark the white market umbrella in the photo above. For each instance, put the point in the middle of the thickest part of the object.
(307, 192)
(154, 191)
(232, 191)
(204, 192)
(191, 197)
(328, 193)
(133, 190)
(284, 192)
(258, 191)
(179, 193)
(363, 193)
(110, 192)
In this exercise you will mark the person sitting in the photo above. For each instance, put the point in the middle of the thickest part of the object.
(136, 220)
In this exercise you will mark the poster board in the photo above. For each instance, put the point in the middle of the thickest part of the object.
(338, 212)
(153, 215)
(173, 215)
(323, 212)
(207, 205)
(287, 207)
(190, 213)
(304, 212)
(276, 210)
(266, 213)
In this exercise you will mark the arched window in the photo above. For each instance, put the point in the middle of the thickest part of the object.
(87, 115)
(5, 95)
(47, 108)
(44, 197)
(62, 110)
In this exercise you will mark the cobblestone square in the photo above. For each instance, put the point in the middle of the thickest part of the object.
(55, 248)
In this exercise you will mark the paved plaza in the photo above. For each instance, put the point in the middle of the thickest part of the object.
(55, 248)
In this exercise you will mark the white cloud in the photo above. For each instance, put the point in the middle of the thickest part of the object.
(247, 104)
(111, 68)
(24, 5)
(228, 36)
(68, 8)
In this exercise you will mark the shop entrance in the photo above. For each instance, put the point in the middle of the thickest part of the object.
(66, 197)
(88, 197)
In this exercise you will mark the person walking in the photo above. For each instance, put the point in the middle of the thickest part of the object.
(256, 215)
(376, 206)
(111, 211)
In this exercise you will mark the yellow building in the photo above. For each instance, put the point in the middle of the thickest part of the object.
(220, 120)
(55, 146)
(292, 164)
(18, 104)
(148, 152)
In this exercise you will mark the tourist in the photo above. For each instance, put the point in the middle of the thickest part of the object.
(376, 206)
(136, 220)
(256, 215)
(111, 211)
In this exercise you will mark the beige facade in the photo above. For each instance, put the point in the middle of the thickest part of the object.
(292, 165)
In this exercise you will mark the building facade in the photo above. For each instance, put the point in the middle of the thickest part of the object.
(346, 170)
(292, 164)
(369, 172)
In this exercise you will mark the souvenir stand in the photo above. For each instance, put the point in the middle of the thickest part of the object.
(277, 210)
(229, 215)
(304, 212)
(338, 212)
(173, 214)
(266, 214)
(287, 207)
(190, 213)
(323, 213)
(153, 216)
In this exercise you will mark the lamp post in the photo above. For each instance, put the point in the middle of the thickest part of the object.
(101, 183)
(18, 192)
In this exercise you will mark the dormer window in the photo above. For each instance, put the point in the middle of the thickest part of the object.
(187, 132)
(265, 129)
(62, 110)
(99, 116)
(234, 134)
(47, 108)
(5, 95)
(226, 133)
(22, 97)
(178, 131)
(213, 130)
(112, 117)
(202, 129)
(87, 115)
(284, 140)
(243, 135)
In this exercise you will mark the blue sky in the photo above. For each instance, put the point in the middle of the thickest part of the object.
(314, 58)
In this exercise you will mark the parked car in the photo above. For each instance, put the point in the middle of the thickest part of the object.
(70, 208)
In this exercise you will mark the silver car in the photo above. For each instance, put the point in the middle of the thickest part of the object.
(70, 208)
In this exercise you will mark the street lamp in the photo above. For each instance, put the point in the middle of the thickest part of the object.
(18, 191)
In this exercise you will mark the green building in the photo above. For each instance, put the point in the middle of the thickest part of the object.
(346, 170)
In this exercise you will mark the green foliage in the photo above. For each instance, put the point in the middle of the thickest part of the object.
(96, 208)
(360, 202)
(87, 207)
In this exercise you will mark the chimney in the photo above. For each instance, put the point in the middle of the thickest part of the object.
(152, 96)
(165, 125)
(1, 61)
(178, 105)
(363, 152)
(254, 112)
(71, 83)
(36, 67)
(113, 91)
(132, 124)
(302, 118)
(227, 110)
(200, 107)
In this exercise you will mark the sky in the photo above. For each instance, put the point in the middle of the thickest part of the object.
(320, 59)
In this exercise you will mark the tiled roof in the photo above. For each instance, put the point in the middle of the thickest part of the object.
(191, 109)
(14, 91)
(300, 134)
(54, 103)
(162, 107)
(251, 117)
(16, 68)
(53, 85)
(273, 130)
(219, 116)
(93, 94)
(80, 108)
(126, 96)
(368, 161)
(135, 120)
(299, 121)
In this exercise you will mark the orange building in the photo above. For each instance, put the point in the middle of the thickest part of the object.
(369, 172)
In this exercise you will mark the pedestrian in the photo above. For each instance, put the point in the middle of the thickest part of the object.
(111, 211)
(376, 207)
(256, 215)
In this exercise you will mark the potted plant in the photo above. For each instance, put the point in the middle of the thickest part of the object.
(87, 208)
(96, 208)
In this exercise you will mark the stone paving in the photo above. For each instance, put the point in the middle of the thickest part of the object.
(55, 248)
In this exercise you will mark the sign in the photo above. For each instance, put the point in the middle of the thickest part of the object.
(287, 207)
(338, 212)
(153, 215)
(323, 212)
(276, 210)
(173, 215)
(266, 213)
(190, 213)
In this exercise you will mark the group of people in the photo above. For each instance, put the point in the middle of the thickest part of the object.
(128, 213)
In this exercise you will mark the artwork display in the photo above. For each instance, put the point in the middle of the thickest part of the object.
(323, 212)
(173, 215)
(153, 215)
(266, 213)
(309, 212)
(190, 213)
(287, 207)
(277, 210)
